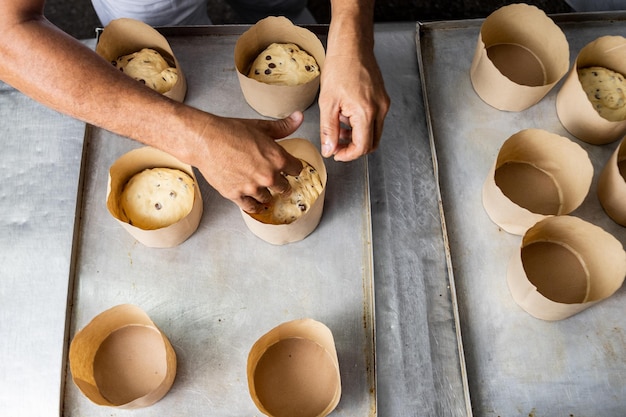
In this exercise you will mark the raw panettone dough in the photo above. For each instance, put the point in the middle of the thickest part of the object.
(285, 209)
(284, 64)
(149, 67)
(606, 89)
(157, 197)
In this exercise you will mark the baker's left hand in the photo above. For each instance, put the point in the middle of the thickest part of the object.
(353, 104)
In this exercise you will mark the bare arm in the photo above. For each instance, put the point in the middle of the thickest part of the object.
(352, 90)
(238, 157)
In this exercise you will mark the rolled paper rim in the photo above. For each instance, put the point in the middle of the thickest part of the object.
(125, 36)
(612, 186)
(134, 162)
(87, 341)
(496, 88)
(600, 252)
(572, 174)
(281, 234)
(574, 110)
(307, 329)
(276, 101)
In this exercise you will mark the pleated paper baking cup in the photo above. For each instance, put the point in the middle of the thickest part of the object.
(276, 101)
(612, 185)
(134, 162)
(280, 234)
(121, 359)
(574, 107)
(126, 36)
(564, 266)
(536, 174)
(293, 370)
(521, 54)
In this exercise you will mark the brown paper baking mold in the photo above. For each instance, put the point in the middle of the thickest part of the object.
(280, 234)
(121, 359)
(574, 109)
(612, 185)
(125, 36)
(521, 54)
(564, 266)
(134, 162)
(293, 370)
(276, 101)
(536, 174)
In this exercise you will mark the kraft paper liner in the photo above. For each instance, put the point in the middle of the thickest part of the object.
(564, 266)
(276, 101)
(612, 185)
(125, 36)
(293, 370)
(574, 109)
(121, 359)
(536, 174)
(134, 162)
(280, 234)
(521, 54)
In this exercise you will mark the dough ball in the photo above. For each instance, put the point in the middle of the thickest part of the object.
(285, 209)
(606, 89)
(284, 64)
(149, 67)
(157, 197)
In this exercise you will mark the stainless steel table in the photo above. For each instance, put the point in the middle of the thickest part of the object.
(419, 362)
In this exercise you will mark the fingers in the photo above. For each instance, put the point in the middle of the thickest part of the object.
(257, 201)
(329, 130)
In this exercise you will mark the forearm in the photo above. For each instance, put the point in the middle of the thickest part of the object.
(63, 74)
(351, 27)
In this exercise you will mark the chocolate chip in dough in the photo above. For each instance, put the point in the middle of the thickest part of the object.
(158, 206)
(268, 71)
(271, 65)
(268, 57)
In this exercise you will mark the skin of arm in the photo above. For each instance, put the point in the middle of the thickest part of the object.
(352, 88)
(238, 157)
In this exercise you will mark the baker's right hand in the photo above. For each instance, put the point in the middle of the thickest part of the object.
(242, 161)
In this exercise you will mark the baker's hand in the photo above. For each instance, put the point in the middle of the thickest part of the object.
(353, 105)
(244, 161)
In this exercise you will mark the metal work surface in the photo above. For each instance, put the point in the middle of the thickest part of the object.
(213, 307)
(223, 288)
(516, 364)
(40, 168)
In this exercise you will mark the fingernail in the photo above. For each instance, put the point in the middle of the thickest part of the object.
(326, 149)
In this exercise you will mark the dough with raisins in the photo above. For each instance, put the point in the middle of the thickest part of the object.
(149, 67)
(157, 197)
(606, 89)
(285, 209)
(284, 64)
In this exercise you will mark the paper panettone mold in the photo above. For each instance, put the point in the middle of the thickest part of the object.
(276, 101)
(280, 234)
(612, 185)
(521, 54)
(126, 36)
(121, 359)
(293, 370)
(133, 162)
(564, 266)
(574, 109)
(536, 174)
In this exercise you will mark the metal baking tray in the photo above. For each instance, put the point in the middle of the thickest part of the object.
(516, 364)
(218, 292)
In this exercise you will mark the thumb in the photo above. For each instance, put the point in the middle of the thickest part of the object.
(278, 129)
